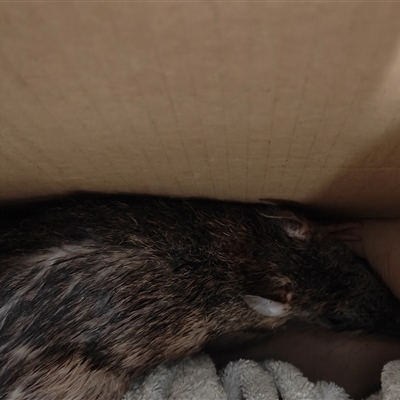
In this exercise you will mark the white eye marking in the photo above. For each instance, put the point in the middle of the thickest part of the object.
(267, 307)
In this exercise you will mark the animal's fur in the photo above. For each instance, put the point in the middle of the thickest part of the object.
(97, 289)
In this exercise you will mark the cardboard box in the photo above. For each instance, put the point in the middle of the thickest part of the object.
(230, 100)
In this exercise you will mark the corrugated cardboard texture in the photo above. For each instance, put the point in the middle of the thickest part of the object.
(231, 100)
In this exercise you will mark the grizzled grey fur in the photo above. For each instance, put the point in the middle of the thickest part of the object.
(97, 289)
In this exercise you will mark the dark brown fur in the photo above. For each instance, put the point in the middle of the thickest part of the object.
(97, 289)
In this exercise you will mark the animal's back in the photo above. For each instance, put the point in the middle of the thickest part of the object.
(96, 289)
(98, 285)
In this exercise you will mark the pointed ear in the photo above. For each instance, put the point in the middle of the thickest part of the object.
(267, 307)
(294, 226)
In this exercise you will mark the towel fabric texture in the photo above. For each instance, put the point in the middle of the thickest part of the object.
(196, 378)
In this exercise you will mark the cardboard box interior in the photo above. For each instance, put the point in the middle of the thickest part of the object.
(230, 100)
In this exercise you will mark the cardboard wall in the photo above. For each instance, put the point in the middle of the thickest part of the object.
(231, 100)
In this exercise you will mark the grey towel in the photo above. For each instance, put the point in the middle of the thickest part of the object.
(195, 378)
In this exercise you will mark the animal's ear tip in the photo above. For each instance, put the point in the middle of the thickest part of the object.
(295, 226)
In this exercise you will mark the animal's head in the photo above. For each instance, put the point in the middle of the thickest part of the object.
(314, 277)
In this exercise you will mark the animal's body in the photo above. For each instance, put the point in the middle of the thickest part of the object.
(97, 289)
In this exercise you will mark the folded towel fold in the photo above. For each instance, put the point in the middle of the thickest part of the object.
(196, 378)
